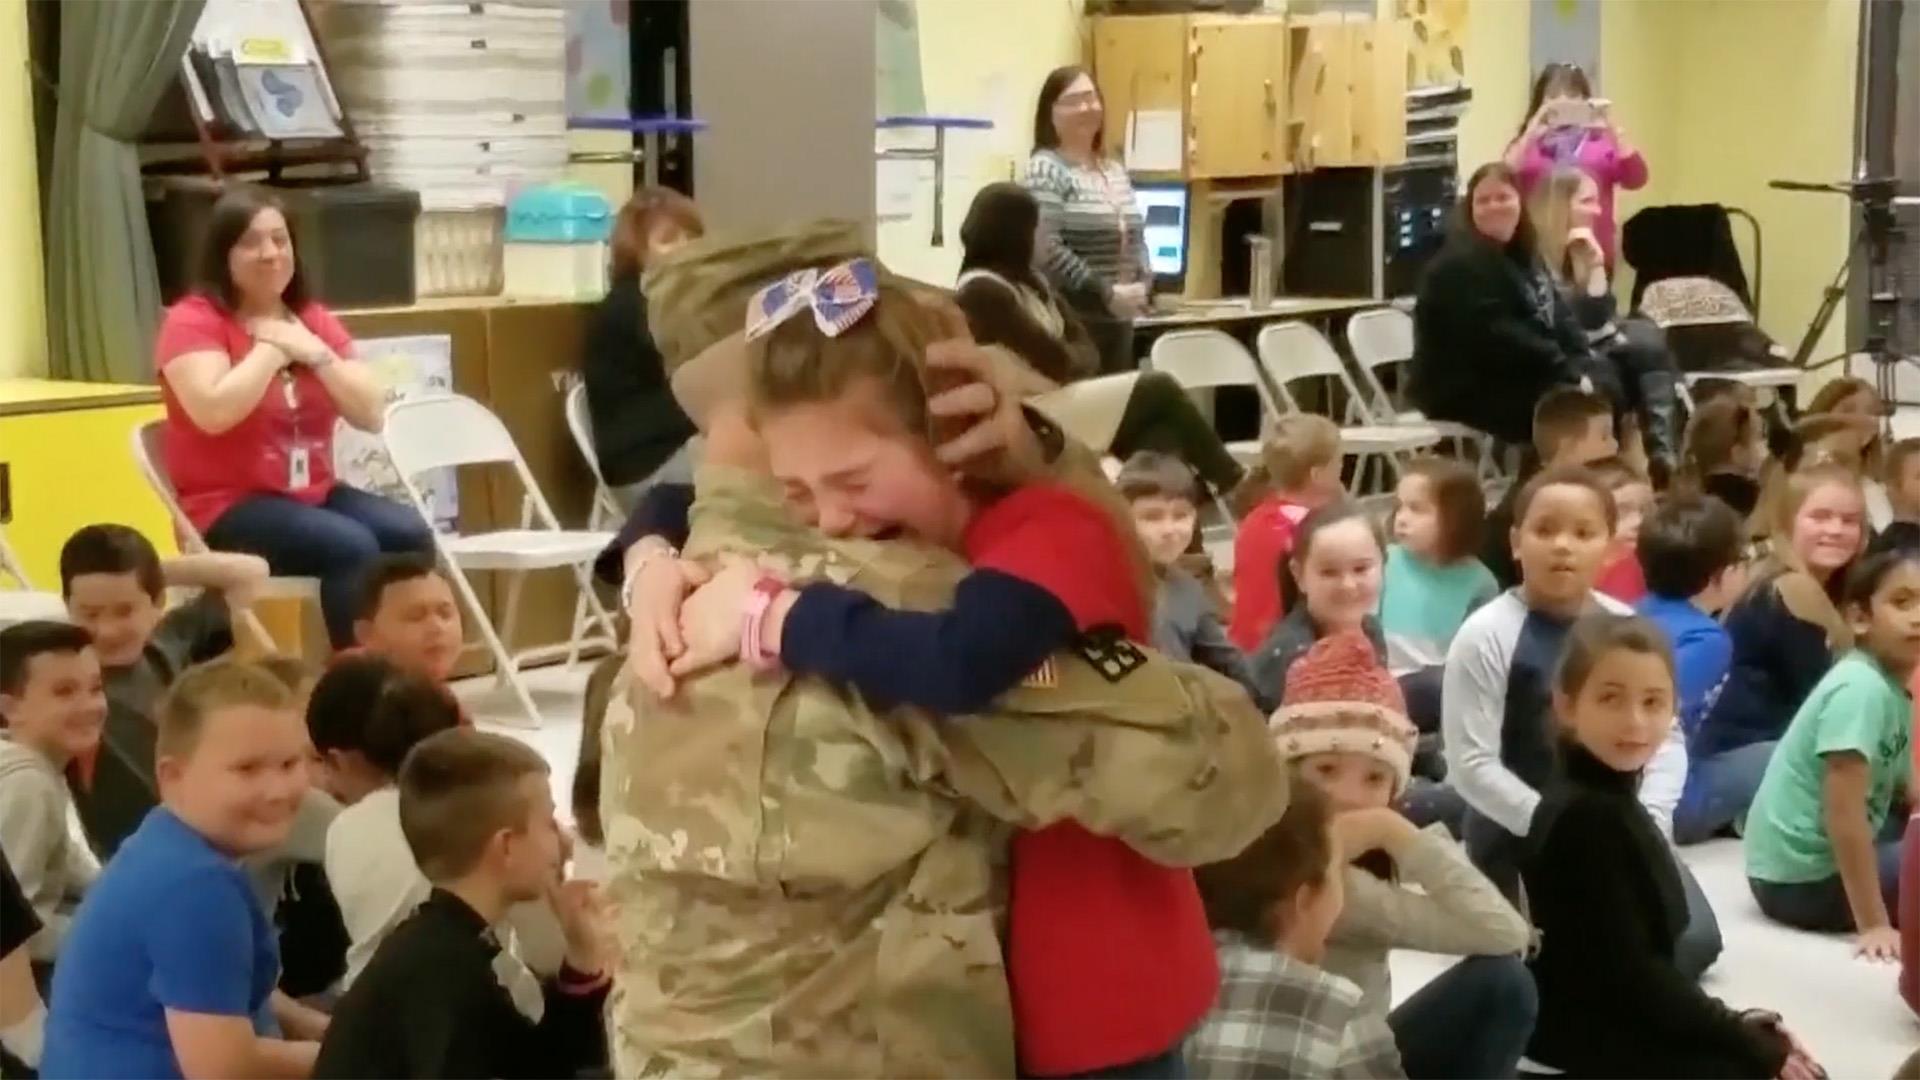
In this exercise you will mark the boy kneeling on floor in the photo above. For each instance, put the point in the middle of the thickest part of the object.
(477, 811)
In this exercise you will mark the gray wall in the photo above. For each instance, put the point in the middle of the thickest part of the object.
(787, 89)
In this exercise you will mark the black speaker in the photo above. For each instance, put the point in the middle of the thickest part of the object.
(1416, 202)
(1332, 246)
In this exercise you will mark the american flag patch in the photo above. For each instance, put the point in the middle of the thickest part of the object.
(1044, 677)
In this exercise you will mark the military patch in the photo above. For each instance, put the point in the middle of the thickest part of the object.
(1110, 653)
(1044, 677)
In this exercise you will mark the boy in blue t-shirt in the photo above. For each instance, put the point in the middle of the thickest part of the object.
(169, 966)
(1690, 553)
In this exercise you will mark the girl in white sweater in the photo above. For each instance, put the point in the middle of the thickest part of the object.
(1343, 725)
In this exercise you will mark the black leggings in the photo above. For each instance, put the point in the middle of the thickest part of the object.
(1161, 416)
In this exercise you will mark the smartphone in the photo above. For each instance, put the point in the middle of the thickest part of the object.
(1574, 112)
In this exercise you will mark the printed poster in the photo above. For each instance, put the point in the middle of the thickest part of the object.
(405, 367)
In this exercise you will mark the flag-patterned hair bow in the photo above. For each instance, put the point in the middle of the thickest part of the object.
(840, 296)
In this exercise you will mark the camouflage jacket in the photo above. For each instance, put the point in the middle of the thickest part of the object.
(805, 887)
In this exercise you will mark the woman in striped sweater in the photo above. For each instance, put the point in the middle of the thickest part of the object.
(1093, 247)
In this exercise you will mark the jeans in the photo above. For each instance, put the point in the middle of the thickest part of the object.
(1719, 790)
(333, 541)
(1822, 905)
(1162, 416)
(1699, 943)
(1171, 1065)
(1473, 1021)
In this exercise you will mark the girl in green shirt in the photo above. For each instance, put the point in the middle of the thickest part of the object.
(1820, 855)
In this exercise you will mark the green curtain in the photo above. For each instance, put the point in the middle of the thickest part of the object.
(103, 295)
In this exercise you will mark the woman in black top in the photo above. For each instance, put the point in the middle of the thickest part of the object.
(639, 432)
(1008, 303)
(1565, 210)
(1605, 893)
(1491, 333)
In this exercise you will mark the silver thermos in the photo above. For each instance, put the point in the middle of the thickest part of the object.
(1259, 271)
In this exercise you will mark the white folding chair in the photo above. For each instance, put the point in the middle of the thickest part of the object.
(1292, 352)
(1382, 338)
(606, 512)
(22, 602)
(1207, 360)
(448, 430)
(146, 457)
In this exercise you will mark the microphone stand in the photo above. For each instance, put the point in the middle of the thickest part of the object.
(1880, 228)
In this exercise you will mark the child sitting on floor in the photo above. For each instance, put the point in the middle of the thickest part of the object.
(1610, 906)
(478, 817)
(1690, 552)
(1786, 628)
(169, 966)
(364, 716)
(53, 707)
(1822, 843)
(115, 586)
(1433, 579)
(1620, 575)
(1723, 453)
(408, 614)
(1302, 459)
(1902, 477)
(1161, 490)
(1571, 427)
(1332, 585)
(1279, 1013)
(1343, 728)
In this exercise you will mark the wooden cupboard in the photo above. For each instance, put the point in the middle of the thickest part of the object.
(1257, 95)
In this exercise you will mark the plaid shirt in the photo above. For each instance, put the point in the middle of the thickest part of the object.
(1280, 1017)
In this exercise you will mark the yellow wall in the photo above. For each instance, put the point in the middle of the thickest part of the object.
(1725, 95)
(981, 58)
(1498, 73)
(23, 321)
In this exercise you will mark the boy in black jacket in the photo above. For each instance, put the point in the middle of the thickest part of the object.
(440, 998)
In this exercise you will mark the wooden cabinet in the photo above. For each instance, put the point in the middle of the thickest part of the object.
(1140, 64)
(1349, 92)
(1236, 113)
(1257, 95)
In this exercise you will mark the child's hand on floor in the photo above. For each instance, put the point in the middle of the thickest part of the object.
(1881, 944)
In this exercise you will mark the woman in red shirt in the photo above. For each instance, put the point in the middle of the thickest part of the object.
(255, 375)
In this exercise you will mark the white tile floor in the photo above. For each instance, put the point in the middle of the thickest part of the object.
(1846, 1010)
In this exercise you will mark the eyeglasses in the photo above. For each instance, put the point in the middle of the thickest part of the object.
(1078, 101)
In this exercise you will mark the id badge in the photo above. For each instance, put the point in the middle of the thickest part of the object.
(299, 469)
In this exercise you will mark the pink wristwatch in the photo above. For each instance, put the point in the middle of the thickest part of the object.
(759, 602)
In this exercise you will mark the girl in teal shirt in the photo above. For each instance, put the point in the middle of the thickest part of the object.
(1433, 580)
(1820, 851)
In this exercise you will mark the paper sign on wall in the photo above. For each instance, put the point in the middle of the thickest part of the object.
(1153, 141)
(405, 367)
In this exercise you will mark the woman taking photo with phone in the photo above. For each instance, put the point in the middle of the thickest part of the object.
(1567, 126)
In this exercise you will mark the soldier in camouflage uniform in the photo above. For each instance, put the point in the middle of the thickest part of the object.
(806, 886)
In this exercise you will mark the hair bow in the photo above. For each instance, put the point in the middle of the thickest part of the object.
(840, 296)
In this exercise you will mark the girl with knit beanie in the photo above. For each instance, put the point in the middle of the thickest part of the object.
(1343, 727)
